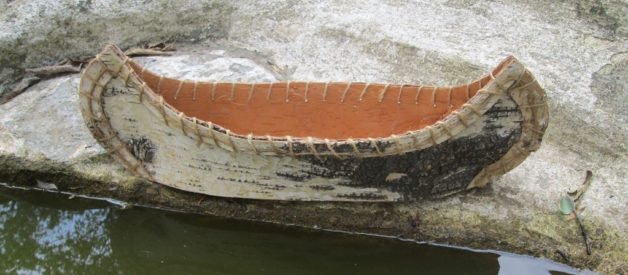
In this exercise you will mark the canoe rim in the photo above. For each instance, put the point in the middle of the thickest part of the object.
(512, 79)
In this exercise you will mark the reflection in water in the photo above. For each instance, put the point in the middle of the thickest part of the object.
(36, 239)
(45, 233)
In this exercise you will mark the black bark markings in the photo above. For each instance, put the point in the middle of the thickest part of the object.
(142, 148)
(437, 170)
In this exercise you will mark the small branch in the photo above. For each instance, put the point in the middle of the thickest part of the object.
(144, 52)
(48, 71)
(74, 65)
(162, 46)
(34, 75)
(584, 234)
(159, 48)
(585, 186)
(19, 88)
(563, 255)
(200, 200)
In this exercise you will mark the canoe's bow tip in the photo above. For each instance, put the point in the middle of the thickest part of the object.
(111, 47)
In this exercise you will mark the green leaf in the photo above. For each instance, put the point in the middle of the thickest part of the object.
(566, 205)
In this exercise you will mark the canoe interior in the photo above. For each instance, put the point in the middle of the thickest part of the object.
(324, 110)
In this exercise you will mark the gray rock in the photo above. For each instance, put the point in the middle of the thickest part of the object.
(577, 49)
(46, 186)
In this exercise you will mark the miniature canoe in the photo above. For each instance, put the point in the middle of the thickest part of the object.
(313, 141)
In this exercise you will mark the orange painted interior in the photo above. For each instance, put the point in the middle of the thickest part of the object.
(275, 112)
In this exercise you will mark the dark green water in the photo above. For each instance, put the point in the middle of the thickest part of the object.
(52, 234)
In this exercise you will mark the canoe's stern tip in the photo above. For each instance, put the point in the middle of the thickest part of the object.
(111, 47)
(112, 50)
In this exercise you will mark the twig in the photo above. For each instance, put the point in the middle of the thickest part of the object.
(584, 234)
(585, 186)
(53, 70)
(74, 65)
(567, 204)
(19, 88)
(200, 200)
(563, 255)
(144, 52)
(34, 75)
(578, 196)
(162, 46)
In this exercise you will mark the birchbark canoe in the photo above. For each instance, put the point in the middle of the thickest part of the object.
(313, 141)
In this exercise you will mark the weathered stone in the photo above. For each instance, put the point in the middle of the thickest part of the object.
(576, 48)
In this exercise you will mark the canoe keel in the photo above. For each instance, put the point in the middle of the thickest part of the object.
(186, 154)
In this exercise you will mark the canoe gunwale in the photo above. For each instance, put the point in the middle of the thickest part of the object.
(513, 80)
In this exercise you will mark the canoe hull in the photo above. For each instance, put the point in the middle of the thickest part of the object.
(134, 131)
